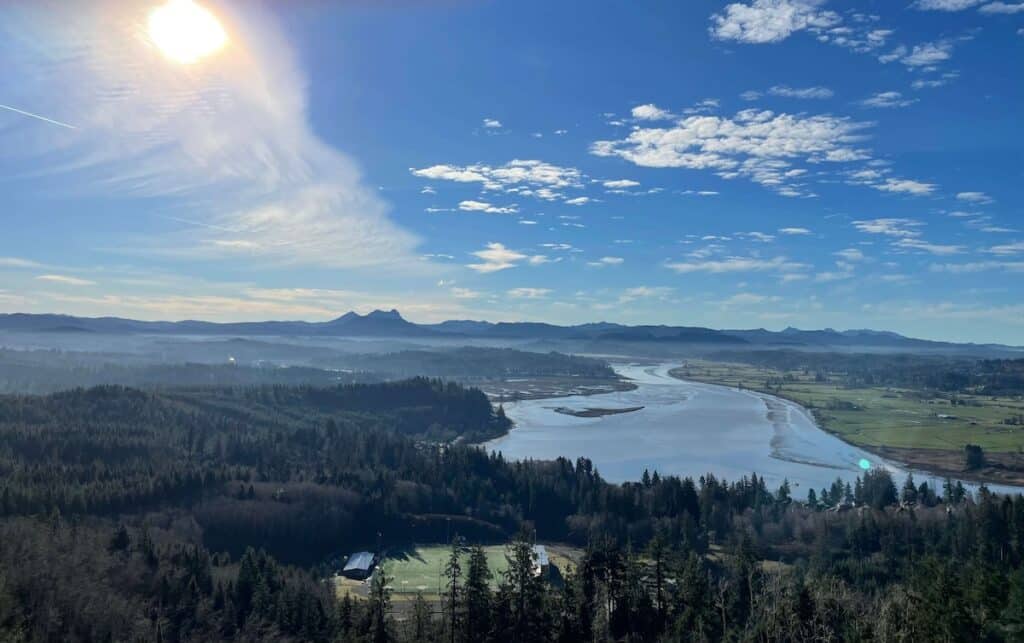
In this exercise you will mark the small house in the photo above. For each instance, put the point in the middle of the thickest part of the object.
(540, 560)
(359, 565)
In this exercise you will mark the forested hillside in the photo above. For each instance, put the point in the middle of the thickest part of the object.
(196, 515)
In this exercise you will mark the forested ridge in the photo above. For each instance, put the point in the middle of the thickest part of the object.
(203, 514)
(900, 370)
(238, 362)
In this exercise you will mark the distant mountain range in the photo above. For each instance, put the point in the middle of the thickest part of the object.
(390, 323)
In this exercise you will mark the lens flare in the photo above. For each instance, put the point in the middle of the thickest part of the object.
(186, 32)
(864, 464)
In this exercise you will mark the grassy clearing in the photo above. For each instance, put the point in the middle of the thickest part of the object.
(881, 416)
(421, 569)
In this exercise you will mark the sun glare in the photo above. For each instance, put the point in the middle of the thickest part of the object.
(186, 32)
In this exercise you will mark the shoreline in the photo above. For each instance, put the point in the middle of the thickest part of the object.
(936, 463)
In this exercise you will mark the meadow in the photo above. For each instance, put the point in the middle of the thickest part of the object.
(420, 569)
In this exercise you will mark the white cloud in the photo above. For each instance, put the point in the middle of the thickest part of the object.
(15, 262)
(765, 21)
(483, 206)
(794, 231)
(1008, 248)
(228, 138)
(906, 186)
(621, 184)
(644, 292)
(974, 197)
(888, 99)
(924, 55)
(946, 5)
(757, 236)
(804, 92)
(580, 200)
(1002, 7)
(932, 83)
(759, 145)
(64, 279)
(496, 257)
(529, 293)
(890, 227)
(492, 123)
(737, 264)
(749, 298)
(931, 248)
(465, 293)
(850, 254)
(606, 261)
(833, 275)
(524, 177)
(978, 266)
(650, 112)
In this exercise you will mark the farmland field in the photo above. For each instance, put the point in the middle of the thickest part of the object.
(880, 417)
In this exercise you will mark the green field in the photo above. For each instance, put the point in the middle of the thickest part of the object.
(881, 416)
(420, 569)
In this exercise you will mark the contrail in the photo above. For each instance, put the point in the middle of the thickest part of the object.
(36, 116)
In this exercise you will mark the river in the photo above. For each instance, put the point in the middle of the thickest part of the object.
(689, 429)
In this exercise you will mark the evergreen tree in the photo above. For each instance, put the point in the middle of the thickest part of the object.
(454, 591)
(478, 601)
(380, 606)
(526, 593)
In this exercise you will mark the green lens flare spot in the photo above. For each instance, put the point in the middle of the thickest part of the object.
(864, 464)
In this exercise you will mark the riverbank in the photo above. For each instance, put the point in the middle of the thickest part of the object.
(1001, 468)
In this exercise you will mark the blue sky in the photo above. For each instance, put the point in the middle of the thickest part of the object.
(754, 164)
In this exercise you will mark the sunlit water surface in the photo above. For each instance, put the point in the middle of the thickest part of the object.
(689, 429)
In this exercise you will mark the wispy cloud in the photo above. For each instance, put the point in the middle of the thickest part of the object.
(930, 248)
(606, 261)
(974, 197)
(737, 264)
(67, 280)
(905, 186)
(887, 100)
(483, 206)
(228, 138)
(890, 227)
(524, 177)
(801, 92)
(16, 262)
(529, 293)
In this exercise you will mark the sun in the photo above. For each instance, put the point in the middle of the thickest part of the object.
(185, 32)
